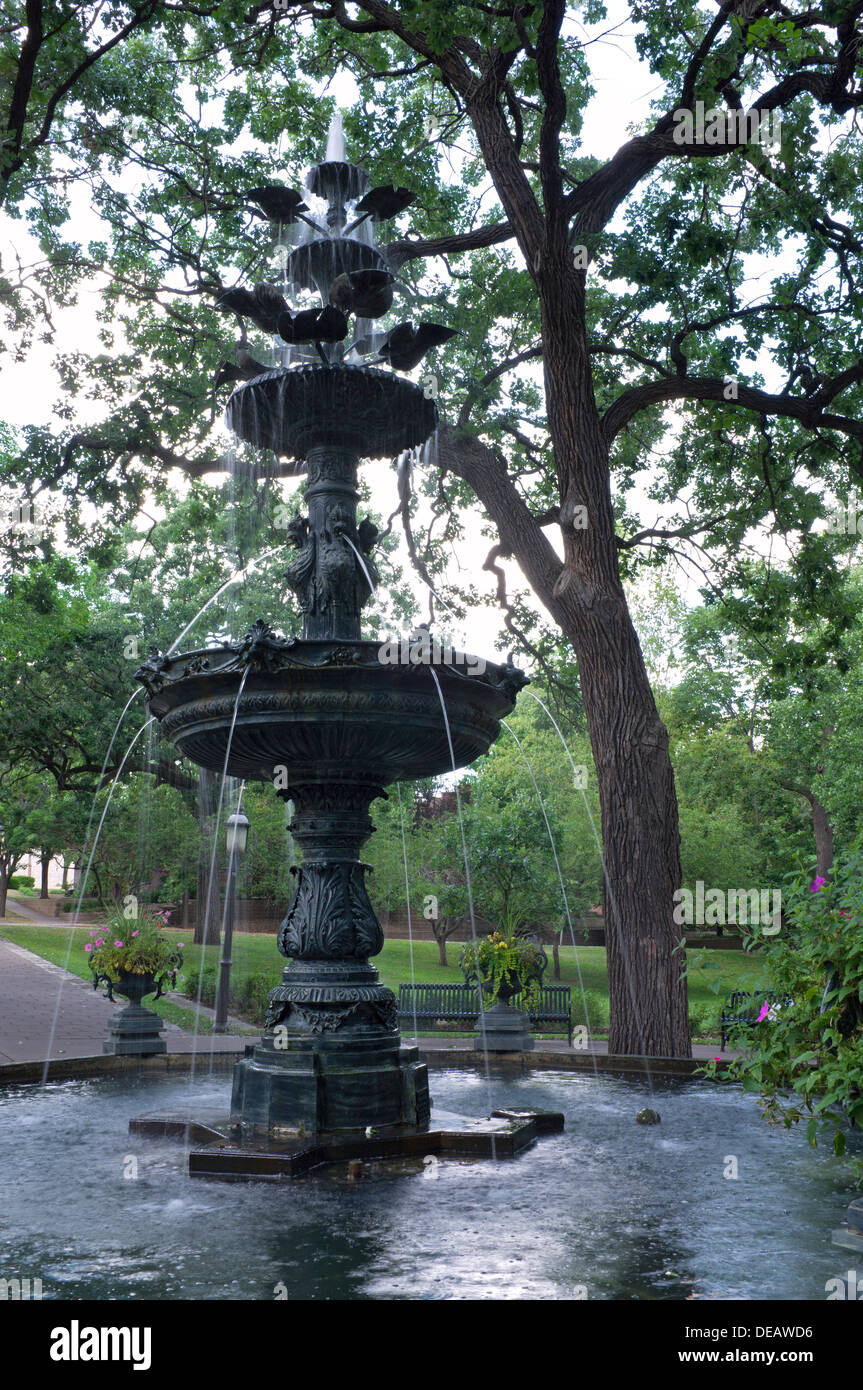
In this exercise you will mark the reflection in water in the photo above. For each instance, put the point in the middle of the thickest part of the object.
(617, 1209)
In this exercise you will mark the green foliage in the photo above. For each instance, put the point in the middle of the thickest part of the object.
(590, 1009)
(135, 946)
(148, 832)
(247, 996)
(805, 1061)
(704, 1020)
(498, 960)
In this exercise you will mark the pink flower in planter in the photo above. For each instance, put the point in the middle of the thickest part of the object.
(816, 884)
(134, 933)
(89, 946)
(765, 1010)
(844, 912)
(179, 943)
(99, 942)
(118, 943)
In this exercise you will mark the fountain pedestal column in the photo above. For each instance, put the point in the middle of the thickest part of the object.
(331, 1058)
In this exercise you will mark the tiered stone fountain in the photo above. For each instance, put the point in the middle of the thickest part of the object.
(322, 711)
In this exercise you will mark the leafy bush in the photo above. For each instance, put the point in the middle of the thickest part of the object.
(806, 1060)
(704, 1020)
(247, 996)
(591, 1010)
(200, 985)
(22, 883)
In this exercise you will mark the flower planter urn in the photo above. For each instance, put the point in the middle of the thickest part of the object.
(134, 1031)
(502, 1027)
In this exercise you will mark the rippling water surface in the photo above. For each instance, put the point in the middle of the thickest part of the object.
(608, 1210)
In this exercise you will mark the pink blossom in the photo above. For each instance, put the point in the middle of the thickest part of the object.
(134, 933)
(844, 912)
(765, 1010)
(816, 884)
(179, 943)
(118, 943)
(717, 1059)
(99, 942)
(89, 946)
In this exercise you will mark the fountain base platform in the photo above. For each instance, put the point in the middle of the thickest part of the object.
(229, 1153)
(329, 1084)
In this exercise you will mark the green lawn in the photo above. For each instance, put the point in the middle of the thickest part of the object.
(720, 971)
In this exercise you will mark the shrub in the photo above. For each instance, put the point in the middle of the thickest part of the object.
(201, 986)
(247, 996)
(704, 1020)
(22, 882)
(805, 1060)
(591, 1010)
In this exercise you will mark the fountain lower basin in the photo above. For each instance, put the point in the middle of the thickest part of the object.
(622, 1211)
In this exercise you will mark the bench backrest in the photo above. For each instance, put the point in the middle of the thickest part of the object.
(745, 1006)
(442, 998)
(554, 1001)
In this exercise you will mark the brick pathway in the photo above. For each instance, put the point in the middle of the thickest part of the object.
(37, 996)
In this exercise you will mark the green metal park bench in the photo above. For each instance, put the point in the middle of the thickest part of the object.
(741, 1010)
(433, 1004)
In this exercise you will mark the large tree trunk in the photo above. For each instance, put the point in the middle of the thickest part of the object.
(4, 888)
(45, 862)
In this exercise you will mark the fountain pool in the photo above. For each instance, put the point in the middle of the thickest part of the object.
(608, 1207)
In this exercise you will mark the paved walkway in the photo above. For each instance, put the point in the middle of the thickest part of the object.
(47, 1012)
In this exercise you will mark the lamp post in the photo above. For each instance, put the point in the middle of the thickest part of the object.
(237, 833)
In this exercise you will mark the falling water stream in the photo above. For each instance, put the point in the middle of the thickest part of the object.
(473, 930)
(539, 798)
(84, 878)
(77, 913)
(626, 962)
(230, 887)
(211, 876)
(408, 907)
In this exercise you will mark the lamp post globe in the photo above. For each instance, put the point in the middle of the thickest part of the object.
(236, 836)
(237, 833)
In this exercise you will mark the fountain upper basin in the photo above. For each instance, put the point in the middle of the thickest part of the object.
(327, 712)
(294, 409)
